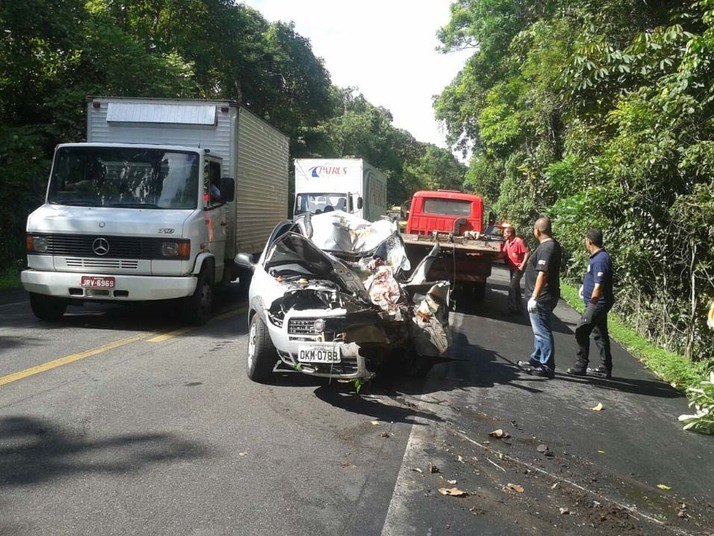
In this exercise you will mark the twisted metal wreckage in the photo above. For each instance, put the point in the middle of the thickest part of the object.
(338, 303)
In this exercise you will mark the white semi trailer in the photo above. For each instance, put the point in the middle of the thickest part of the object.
(155, 205)
(348, 184)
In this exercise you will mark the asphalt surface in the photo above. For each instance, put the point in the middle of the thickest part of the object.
(147, 427)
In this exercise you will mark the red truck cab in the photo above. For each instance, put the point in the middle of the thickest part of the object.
(445, 211)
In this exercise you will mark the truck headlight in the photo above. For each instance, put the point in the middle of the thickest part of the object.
(176, 249)
(36, 244)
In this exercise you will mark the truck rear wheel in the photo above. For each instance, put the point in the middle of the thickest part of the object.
(47, 308)
(198, 307)
(261, 352)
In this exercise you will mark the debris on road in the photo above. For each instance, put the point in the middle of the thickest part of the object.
(500, 434)
(417, 470)
(433, 468)
(564, 512)
(664, 487)
(598, 407)
(375, 423)
(515, 487)
(384, 434)
(453, 492)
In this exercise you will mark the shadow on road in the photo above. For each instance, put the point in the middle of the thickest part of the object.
(402, 411)
(650, 388)
(33, 451)
(496, 302)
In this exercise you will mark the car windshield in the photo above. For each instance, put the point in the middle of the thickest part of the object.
(128, 177)
(317, 203)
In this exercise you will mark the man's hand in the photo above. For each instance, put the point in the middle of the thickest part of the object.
(580, 293)
(587, 317)
(532, 305)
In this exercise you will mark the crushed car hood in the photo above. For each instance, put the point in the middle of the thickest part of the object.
(295, 254)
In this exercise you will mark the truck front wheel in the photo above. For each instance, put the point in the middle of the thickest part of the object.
(47, 308)
(261, 352)
(198, 307)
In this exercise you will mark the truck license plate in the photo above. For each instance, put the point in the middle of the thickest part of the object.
(92, 281)
(319, 354)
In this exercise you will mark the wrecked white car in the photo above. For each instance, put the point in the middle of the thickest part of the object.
(329, 298)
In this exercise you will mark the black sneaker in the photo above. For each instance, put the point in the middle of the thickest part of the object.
(601, 372)
(543, 371)
(575, 371)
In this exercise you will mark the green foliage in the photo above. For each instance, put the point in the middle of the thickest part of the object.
(599, 114)
(55, 53)
(701, 398)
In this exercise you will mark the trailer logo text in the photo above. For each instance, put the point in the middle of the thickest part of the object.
(317, 171)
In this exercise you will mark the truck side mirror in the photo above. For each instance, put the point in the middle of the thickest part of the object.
(359, 203)
(228, 189)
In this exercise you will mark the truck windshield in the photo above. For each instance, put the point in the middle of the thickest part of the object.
(447, 207)
(130, 177)
(320, 202)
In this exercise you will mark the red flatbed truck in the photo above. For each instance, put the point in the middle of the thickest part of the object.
(468, 247)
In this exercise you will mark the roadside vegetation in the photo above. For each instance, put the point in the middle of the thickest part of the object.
(55, 53)
(10, 279)
(599, 114)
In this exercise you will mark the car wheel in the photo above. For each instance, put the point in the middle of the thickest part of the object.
(261, 352)
(47, 308)
(198, 307)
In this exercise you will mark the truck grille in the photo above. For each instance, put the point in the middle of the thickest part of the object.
(119, 247)
(102, 263)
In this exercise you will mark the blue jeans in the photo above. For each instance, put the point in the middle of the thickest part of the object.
(543, 343)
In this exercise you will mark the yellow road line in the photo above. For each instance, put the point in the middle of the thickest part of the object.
(169, 335)
(4, 380)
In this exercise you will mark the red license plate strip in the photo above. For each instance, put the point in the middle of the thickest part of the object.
(92, 281)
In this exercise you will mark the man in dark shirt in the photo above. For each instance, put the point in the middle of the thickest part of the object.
(598, 296)
(543, 289)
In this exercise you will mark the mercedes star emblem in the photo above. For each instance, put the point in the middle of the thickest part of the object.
(100, 246)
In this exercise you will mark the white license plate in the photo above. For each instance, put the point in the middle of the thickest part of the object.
(319, 354)
(92, 281)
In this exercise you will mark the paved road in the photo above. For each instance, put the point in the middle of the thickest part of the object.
(147, 427)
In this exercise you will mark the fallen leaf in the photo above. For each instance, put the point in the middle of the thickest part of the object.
(375, 423)
(564, 511)
(515, 487)
(454, 492)
(500, 434)
(598, 407)
(663, 486)
(601, 452)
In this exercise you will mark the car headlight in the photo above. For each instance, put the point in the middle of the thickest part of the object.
(319, 325)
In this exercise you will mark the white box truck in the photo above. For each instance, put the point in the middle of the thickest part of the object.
(348, 184)
(155, 205)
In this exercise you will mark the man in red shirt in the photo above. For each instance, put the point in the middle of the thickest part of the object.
(516, 254)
